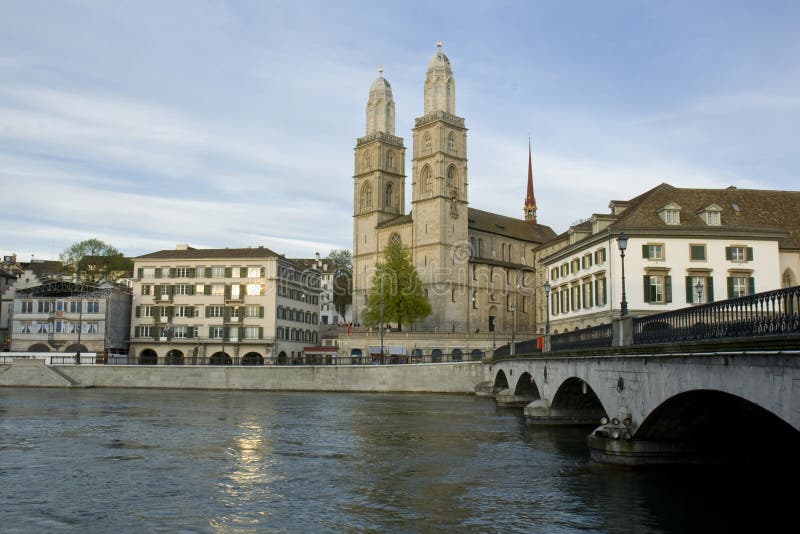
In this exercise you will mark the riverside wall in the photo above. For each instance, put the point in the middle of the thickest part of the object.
(428, 378)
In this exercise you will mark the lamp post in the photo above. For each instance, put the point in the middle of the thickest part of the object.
(381, 318)
(547, 288)
(513, 326)
(622, 242)
(80, 325)
(699, 289)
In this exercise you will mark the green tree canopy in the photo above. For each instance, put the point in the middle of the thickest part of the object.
(94, 259)
(342, 260)
(396, 285)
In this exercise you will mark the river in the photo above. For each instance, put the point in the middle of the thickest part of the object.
(106, 460)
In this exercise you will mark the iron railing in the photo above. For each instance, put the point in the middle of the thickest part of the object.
(769, 313)
(588, 338)
(529, 346)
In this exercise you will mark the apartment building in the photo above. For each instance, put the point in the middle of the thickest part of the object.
(246, 306)
(684, 247)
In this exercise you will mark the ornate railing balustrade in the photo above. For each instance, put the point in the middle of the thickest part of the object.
(594, 337)
(762, 314)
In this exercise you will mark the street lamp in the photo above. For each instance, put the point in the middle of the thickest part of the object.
(622, 242)
(699, 288)
(547, 288)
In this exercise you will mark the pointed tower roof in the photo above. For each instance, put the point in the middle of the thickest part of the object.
(530, 200)
(380, 106)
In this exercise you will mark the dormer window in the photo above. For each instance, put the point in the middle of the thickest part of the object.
(670, 214)
(711, 215)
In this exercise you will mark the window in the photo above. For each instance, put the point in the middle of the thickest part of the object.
(576, 297)
(147, 290)
(26, 306)
(255, 289)
(145, 331)
(235, 312)
(740, 286)
(425, 178)
(215, 311)
(599, 256)
(653, 251)
(451, 142)
(92, 327)
(43, 306)
(218, 289)
(600, 298)
(184, 311)
(42, 328)
(564, 269)
(253, 311)
(235, 272)
(216, 332)
(390, 160)
(672, 217)
(699, 294)
(587, 294)
(697, 252)
(75, 307)
(147, 311)
(586, 262)
(564, 299)
(713, 218)
(657, 289)
(452, 177)
(149, 272)
(25, 328)
(93, 306)
(388, 198)
(200, 289)
(739, 254)
(554, 303)
(183, 289)
(366, 197)
(181, 272)
(179, 332)
(554, 273)
(252, 332)
(428, 145)
(254, 272)
(235, 291)
(575, 266)
(218, 272)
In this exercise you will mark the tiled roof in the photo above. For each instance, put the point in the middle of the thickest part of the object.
(210, 254)
(508, 226)
(742, 209)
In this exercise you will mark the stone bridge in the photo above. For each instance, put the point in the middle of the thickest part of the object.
(664, 404)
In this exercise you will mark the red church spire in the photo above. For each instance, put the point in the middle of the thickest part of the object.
(530, 200)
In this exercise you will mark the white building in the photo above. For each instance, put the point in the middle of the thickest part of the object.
(222, 306)
(685, 246)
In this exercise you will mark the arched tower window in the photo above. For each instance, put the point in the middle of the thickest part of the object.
(366, 161)
(390, 160)
(452, 177)
(428, 145)
(388, 198)
(451, 142)
(425, 178)
(395, 238)
(366, 197)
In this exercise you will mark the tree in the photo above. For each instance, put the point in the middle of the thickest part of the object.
(93, 259)
(342, 260)
(397, 289)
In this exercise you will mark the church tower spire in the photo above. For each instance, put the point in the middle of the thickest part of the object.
(530, 200)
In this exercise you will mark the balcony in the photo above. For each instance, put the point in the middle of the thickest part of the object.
(164, 298)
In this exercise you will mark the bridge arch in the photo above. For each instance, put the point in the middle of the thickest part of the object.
(722, 426)
(526, 387)
(500, 381)
(576, 399)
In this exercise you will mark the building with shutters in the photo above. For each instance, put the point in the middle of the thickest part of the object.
(247, 306)
(685, 246)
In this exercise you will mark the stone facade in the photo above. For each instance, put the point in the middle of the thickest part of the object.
(476, 267)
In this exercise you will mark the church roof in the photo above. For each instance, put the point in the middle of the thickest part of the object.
(440, 61)
(493, 223)
(400, 219)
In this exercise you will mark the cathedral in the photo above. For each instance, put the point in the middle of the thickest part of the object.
(476, 267)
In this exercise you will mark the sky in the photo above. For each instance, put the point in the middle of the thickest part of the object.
(232, 123)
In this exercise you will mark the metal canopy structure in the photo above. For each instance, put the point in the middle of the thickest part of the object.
(68, 288)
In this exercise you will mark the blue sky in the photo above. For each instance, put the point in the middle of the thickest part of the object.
(228, 124)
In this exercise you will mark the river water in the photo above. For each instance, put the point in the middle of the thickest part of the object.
(104, 460)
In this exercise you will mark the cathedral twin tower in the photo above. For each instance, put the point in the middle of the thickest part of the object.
(437, 230)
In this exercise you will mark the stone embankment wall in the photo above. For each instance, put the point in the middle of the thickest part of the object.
(428, 378)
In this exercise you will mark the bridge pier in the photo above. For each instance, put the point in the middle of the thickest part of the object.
(539, 412)
(507, 399)
(629, 451)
